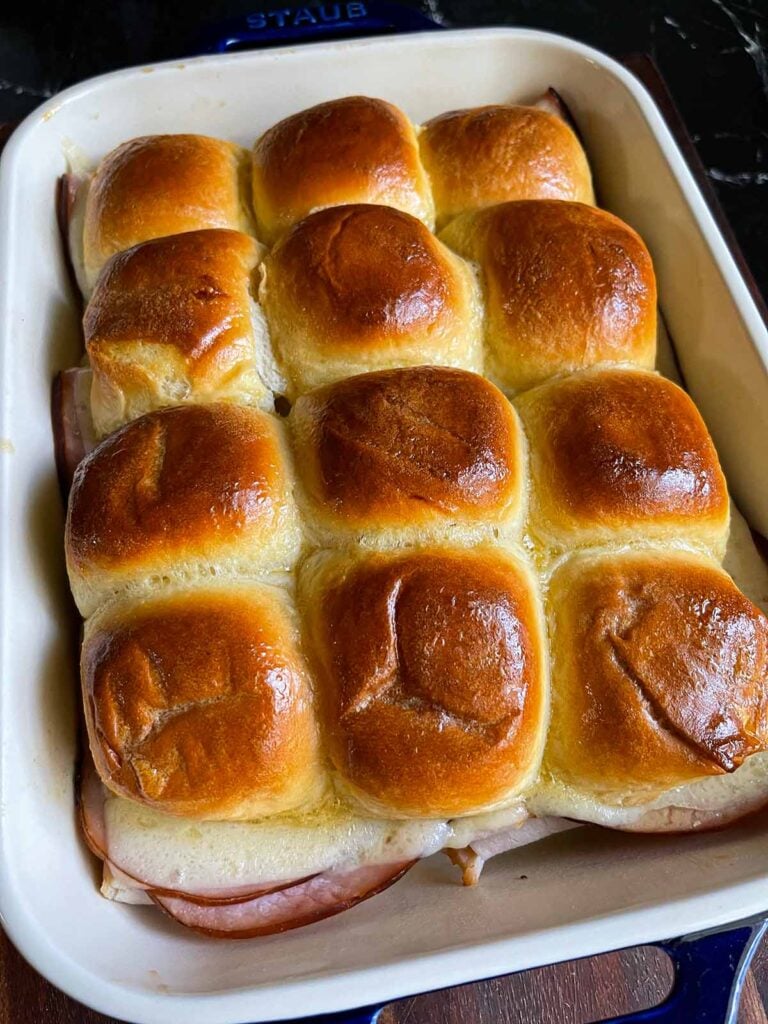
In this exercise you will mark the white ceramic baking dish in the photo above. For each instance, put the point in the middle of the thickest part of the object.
(582, 893)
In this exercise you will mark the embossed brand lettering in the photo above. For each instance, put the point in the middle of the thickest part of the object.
(294, 17)
(304, 17)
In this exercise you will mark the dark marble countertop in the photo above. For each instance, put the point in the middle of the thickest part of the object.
(712, 53)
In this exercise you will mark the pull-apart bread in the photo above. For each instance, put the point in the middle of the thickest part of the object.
(356, 288)
(350, 150)
(405, 456)
(621, 455)
(659, 697)
(484, 156)
(143, 514)
(155, 186)
(432, 677)
(462, 593)
(566, 286)
(173, 321)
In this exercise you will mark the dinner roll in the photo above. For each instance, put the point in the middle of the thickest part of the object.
(659, 668)
(566, 286)
(198, 703)
(161, 185)
(409, 455)
(620, 455)
(350, 150)
(488, 155)
(173, 321)
(181, 493)
(432, 677)
(357, 288)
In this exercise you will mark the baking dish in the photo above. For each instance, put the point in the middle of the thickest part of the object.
(583, 893)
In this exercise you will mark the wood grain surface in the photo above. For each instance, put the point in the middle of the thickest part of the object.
(572, 993)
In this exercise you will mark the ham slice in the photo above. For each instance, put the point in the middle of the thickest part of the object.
(68, 188)
(531, 831)
(552, 102)
(471, 859)
(471, 865)
(689, 819)
(73, 433)
(92, 820)
(90, 806)
(66, 193)
(322, 896)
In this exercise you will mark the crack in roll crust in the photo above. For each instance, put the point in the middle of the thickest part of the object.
(199, 703)
(170, 321)
(487, 155)
(432, 677)
(140, 507)
(161, 185)
(567, 286)
(349, 150)
(620, 455)
(365, 287)
(659, 664)
(395, 454)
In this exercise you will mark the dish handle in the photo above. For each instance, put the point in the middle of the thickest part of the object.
(313, 23)
(710, 970)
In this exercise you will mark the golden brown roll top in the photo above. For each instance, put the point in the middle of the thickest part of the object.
(172, 321)
(567, 286)
(162, 185)
(350, 150)
(659, 668)
(620, 455)
(364, 287)
(198, 703)
(406, 455)
(431, 674)
(179, 494)
(488, 155)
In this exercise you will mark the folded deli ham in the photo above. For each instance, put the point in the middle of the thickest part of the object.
(245, 911)
(322, 896)
(73, 432)
(387, 537)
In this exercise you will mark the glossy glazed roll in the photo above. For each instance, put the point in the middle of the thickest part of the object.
(567, 286)
(198, 703)
(621, 455)
(406, 456)
(174, 321)
(350, 150)
(181, 494)
(487, 155)
(659, 666)
(364, 287)
(153, 186)
(432, 676)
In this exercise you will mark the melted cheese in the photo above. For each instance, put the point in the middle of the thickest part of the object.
(176, 853)
(743, 791)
